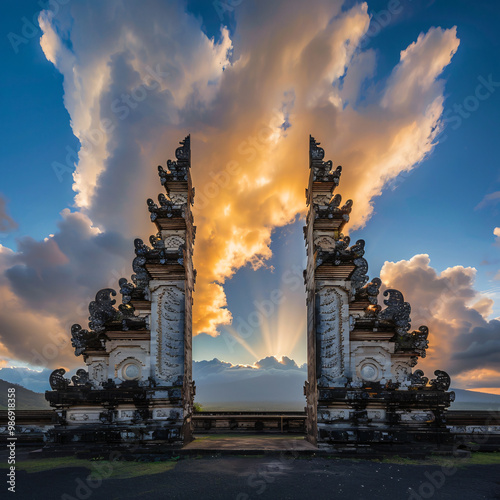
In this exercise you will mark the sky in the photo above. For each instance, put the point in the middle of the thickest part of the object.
(404, 94)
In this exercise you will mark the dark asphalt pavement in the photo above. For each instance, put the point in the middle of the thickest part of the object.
(286, 477)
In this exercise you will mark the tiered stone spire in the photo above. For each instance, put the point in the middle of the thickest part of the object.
(139, 354)
(357, 351)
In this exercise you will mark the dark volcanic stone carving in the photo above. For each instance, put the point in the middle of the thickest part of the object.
(331, 209)
(141, 276)
(415, 341)
(359, 276)
(81, 378)
(81, 338)
(126, 290)
(167, 208)
(177, 170)
(57, 380)
(441, 382)
(343, 254)
(397, 310)
(102, 310)
(158, 254)
(417, 379)
(103, 314)
(315, 152)
(183, 153)
(322, 170)
(370, 291)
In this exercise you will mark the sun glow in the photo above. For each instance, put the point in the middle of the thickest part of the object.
(280, 330)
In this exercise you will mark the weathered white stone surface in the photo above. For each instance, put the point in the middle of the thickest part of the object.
(372, 361)
(167, 331)
(332, 329)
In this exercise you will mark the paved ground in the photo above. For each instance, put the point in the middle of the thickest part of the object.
(244, 478)
(285, 474)
(251, 442)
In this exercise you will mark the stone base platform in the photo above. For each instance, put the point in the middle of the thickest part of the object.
(269, 445)
(244, 444)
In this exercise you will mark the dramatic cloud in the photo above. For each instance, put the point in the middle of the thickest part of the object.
(7, 223)
(462, 340)
(138, 77)
(47, 285)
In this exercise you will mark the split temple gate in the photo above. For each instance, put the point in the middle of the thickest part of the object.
(361, 387)
(138, 384)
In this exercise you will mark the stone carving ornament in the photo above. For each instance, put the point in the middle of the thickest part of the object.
(415, 341)
(81, 338)
(167, 208)
(441, 382)
(417, 379)
(370, 291)
(101, 309)
(81, 378)
(126, 290)
(57, 380)
(178, 198)
(177, 170)
(397, 310)
(369, 372)
(324, 242)
(157, 254)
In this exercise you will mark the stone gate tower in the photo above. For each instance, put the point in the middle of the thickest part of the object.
(360, 388)
(139, 380)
